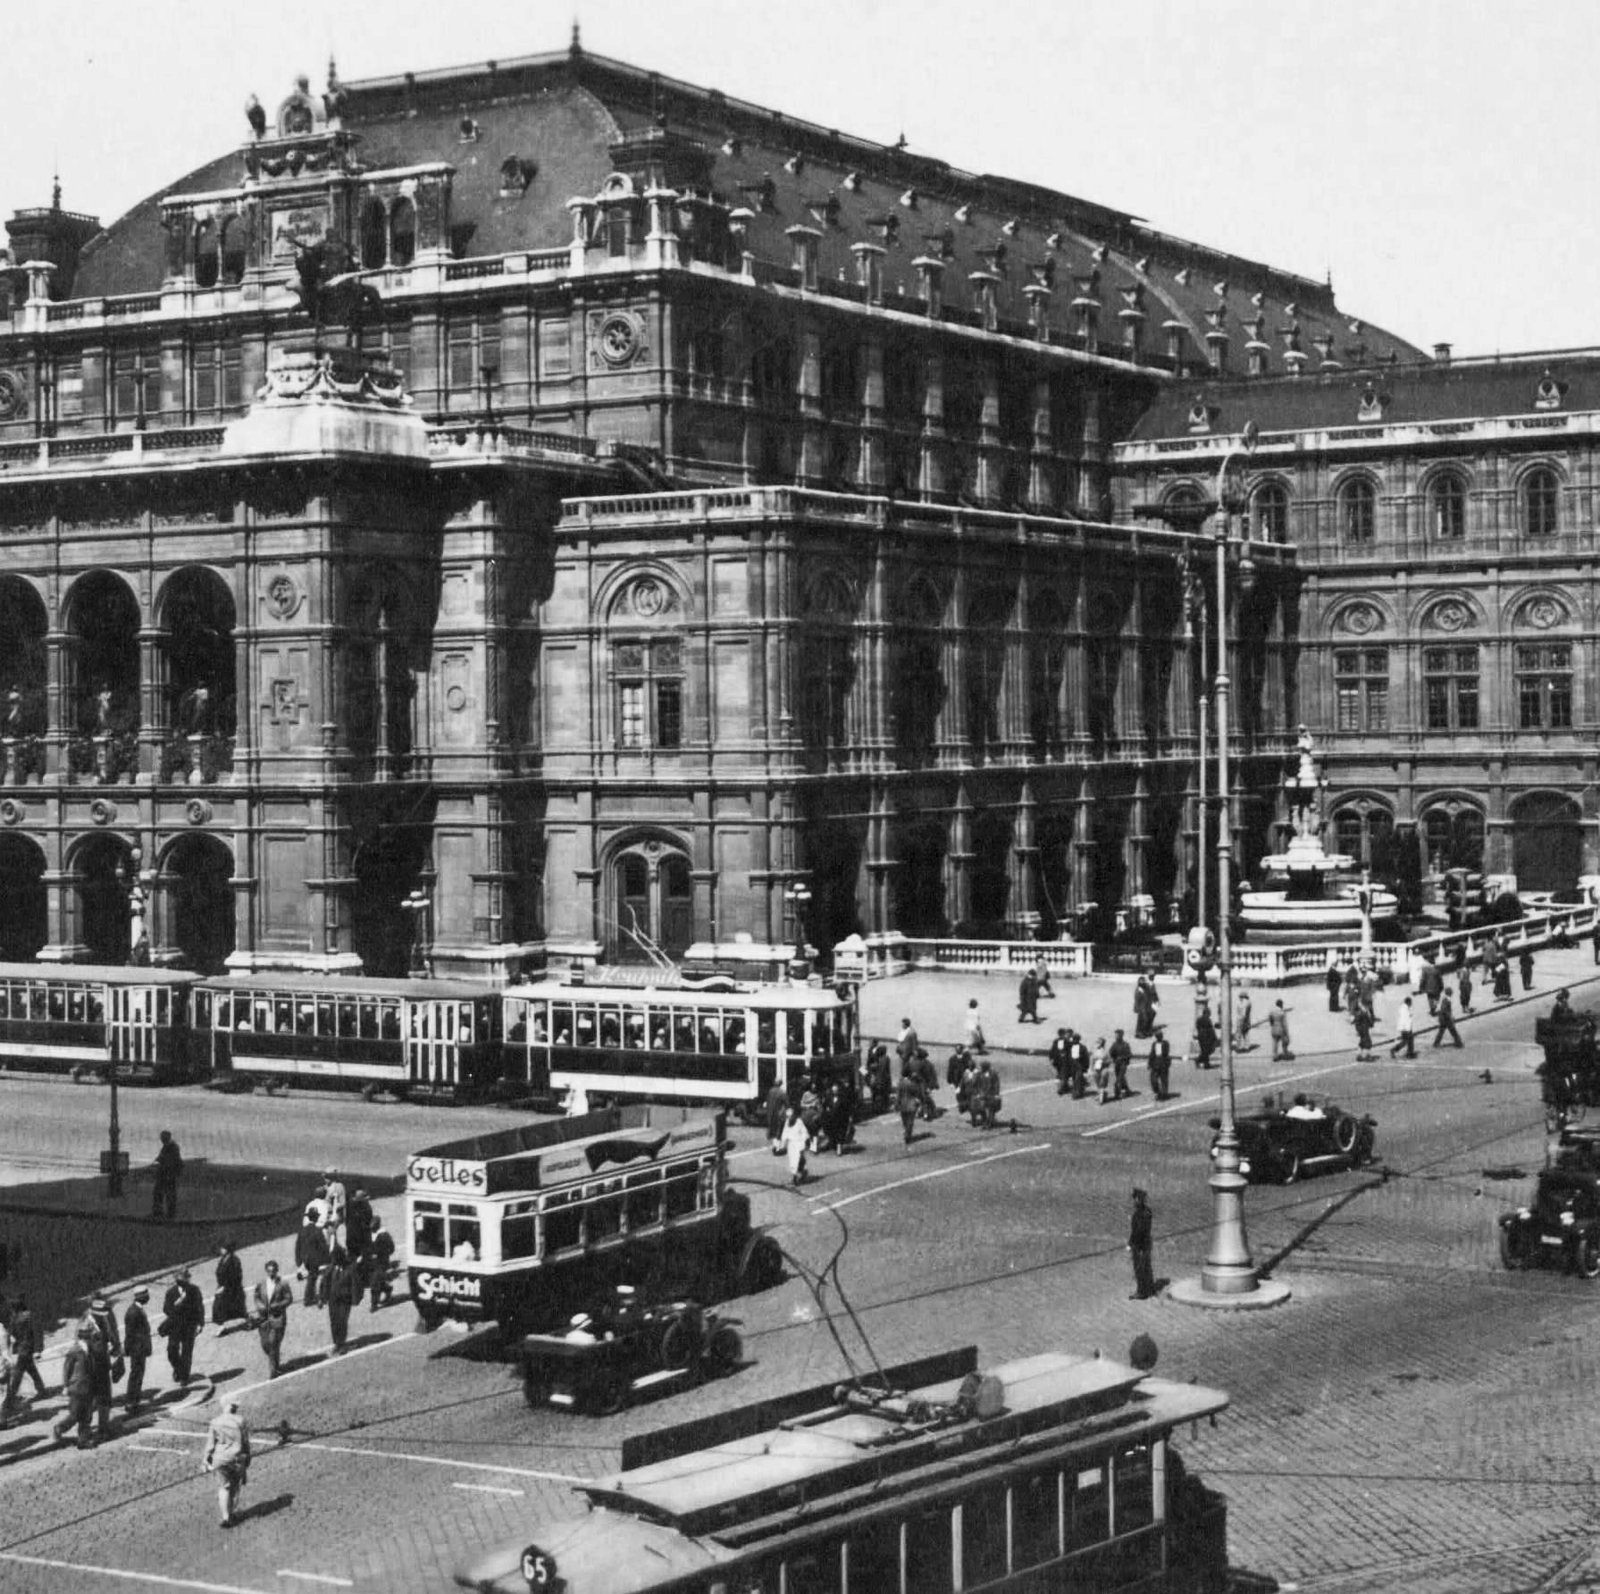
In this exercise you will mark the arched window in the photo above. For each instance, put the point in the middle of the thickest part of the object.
(206, 267)
(1541, 500)
(374, 235)
(1454, 836)
(1272, 512)
(402, 233)
(1447, 506)
(1358, 510)
(235, 248)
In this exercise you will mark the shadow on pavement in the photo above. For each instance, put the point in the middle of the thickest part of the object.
(267, 1508)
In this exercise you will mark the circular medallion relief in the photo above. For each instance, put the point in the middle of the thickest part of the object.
(11, 812)
(455, 698)
(12, 395)
(648, 598)
(283, 596)
(619, 339)
(198, 811)
(102, 810)
(1542, 612)
(1361, 618)
(1451, 616)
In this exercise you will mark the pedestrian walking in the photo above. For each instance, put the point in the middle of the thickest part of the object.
(1405, 1033)
(1028, 998)
(1278, 1029)
(1525, 966)
(1160, 1063)
(358, 1224)
(1205, 1035)
(77, 1384)
(983, 1096)
(379, 1259)
(1445, 1013)
(102, 1365)
(1145, 1002)
(1363, 1023)
(1078, 1065)
(22, 1342)
(1241, 1026)
(228, 1303)
(1140, 1248)
(183, 1315)
(137, 1346)
(1100, 1069)
(1058, 1058)
(908, 1102)
(1464, 988)
(777, 1111)
(1502, 978)
(796, 1142)
(975, 1041)
(1432, 985)
(1334, 980)
(272, 1299)
(228, 1456)
(880, 1082)
(311, 1251)
(168, 1166)
(1041, 976)
(339, 1292)
(1121, 1057)
(956, 1069)
(334, 1222)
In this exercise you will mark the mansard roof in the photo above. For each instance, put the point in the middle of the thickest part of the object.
(1418, 392)
(567, 116)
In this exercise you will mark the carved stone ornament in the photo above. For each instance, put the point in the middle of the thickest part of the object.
(1451, 615)
(11, 812)
(1542, 612)
(197, 811)
(1360, 618)
(648, 599)
(618, 339)
(455, 698)
(13, 396)
(283, 596)
(102, 810)
(296, 376)
(1371, 405)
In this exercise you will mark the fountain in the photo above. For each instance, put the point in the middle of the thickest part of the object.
(1309, 894)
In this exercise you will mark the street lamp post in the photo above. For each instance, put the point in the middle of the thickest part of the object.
(1228, 1269)
(138, 954)
(417, 905)
(799, 896)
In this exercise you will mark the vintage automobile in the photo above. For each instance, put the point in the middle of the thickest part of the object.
(624, 1347)
(1570, 1073)
(1282, 1143)
(1561, 1225)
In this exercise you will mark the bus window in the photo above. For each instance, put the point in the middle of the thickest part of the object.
(928, 1558)
(1036, 1519)
(541, 1026)
(1089, 1520)
(983, 1535)
(389, 1020)
(465, 1029)
(563, 1222)
(660, 1033)
(516, 1021)
(349, 1023)
(767, 1034)
(427, 1229)
(812, 1569)
(873, 1566)
(610, 1027)
(1133, 1495)
(36, 1002)
(58, 1006)
(283, 1016)
(603, 1216)
(75, 1006)
(796, 1035)
(305, 1018)
(466, 1243)
(683, 1028)
(643, 1203)
(682, 1190)
(519, 1231)
(326, 1024)
(584, 1032)
(633, 1032)
(562, 1020)
(733, 1034)
(5, 1001)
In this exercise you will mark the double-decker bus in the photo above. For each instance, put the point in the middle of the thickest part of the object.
(411, 1037)
(524, 1226)
(1052, 1472)
(719, 1042)
(78, 1017)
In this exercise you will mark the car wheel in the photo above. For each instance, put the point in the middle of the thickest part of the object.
(1346, 1135)
(608, 1393)
(1291, 1167)
(1513, 1248)
(1589, 1255)
(725, 1352)
(538, 1379)
(677, 1345)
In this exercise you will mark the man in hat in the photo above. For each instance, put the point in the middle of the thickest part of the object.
(227, 1305)
(1160, 1061)
(1139, 1247)
(105, 1357)
(23, 1346)
(168, 1165)
(183, 1316)
(358, 1225)
(228, 1455)
(272, 1299)
(136, 1346)
(311, 1250)
(77, 1384)
(380, 1253)
(336, 1202)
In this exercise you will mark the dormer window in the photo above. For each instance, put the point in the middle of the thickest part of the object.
(207, 256)
(516, 174)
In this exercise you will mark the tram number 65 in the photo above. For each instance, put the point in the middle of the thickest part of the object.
(539, 1569)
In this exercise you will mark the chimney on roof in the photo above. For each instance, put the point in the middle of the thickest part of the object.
(1441, 353)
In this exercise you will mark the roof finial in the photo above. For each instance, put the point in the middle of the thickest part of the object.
(576, 48)
(55, 192)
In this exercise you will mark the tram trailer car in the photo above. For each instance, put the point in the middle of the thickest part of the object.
(1055, 1471)
(526, 1226)
(84, 1018)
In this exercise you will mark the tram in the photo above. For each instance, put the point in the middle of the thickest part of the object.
(78, 1016)
(524, 1226)
(724, 1044)
(410, 1037)
(1051, 1472)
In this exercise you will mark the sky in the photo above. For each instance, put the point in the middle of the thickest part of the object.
(1433, 156)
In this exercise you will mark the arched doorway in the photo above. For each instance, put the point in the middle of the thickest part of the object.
(100, 877)
(24, 903)
(389, 865)
(103, 622)
(22, 670)
(654, 895)
(1546, 842)
(197, 884)
(1453, 835)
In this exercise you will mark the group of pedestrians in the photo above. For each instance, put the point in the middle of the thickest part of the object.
(341, 1252)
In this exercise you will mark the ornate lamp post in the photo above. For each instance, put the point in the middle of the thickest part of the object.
(799, 898)
(418, 905)
(489, 375)
(134, 883)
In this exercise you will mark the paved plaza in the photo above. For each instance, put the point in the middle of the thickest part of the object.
(1413, 1417)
